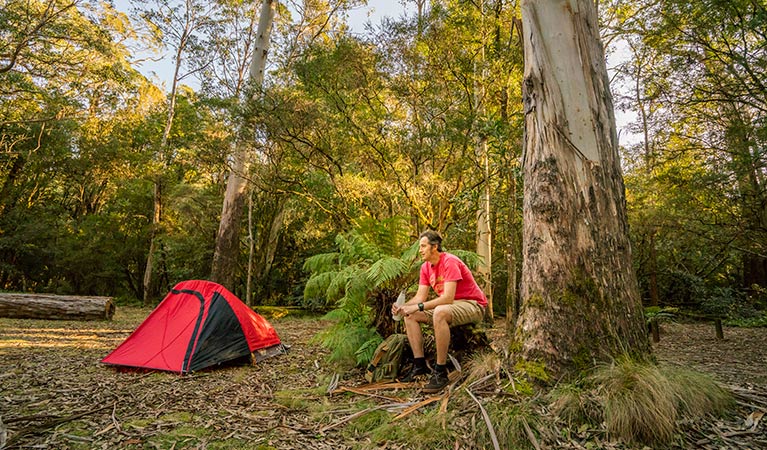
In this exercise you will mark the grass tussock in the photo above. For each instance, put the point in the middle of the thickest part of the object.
(512, 423)
(423, 431)
(639, 401)
(482, 365)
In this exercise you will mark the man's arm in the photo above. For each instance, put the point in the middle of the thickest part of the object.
(421, 296)
(447, 297)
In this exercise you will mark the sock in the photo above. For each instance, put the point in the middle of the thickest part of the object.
(419, 362)
(441, 368)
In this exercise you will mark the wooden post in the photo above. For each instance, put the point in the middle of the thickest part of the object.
(56, 307)
(719, 331)
(655, 328)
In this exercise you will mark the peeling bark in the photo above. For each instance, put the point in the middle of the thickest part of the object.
(580, 296)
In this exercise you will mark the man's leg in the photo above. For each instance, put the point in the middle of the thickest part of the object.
(414, 334)
(415, 339)
(459, 313)
(442, 319)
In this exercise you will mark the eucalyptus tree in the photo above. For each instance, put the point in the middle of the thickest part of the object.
(177, 24)
(579, 291)
(228, 237)
(315, 20)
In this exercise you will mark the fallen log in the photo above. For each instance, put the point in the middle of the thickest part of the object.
(55, 307)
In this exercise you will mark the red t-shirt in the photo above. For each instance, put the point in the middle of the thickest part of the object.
(451, 268)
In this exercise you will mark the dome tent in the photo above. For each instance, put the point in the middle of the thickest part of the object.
(197, 325)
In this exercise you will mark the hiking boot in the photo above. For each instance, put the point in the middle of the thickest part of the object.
(414, 373)
(438, 382)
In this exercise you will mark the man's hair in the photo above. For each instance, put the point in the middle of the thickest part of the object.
(433, 237)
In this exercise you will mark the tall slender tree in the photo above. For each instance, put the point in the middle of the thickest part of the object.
(178, 24)
(228, 237)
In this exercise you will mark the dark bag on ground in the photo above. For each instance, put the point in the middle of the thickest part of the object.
(388, 358)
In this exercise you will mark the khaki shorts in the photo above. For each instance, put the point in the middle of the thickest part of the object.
(463, 311)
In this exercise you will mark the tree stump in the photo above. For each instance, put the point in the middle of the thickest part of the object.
(56, 307)
(466, 340)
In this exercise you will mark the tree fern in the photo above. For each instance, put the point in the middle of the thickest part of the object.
(318, 284)
(372, 264)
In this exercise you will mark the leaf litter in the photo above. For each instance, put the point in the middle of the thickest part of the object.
(54, 393)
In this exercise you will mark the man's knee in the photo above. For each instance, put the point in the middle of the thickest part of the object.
(442, 313)
(415, 318)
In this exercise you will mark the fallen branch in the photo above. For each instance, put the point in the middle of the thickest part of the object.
(383, 386)
(365, 393)
(417, 406)
(50, 424)
(489, 424)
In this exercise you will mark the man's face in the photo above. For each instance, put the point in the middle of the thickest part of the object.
(426, 250)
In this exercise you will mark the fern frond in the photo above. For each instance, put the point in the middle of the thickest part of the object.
(411, 255)
(318, 284)
(323, 262)
(472, 259)
(366, 351)
(385, 270)
(344, 339)
(355, 247)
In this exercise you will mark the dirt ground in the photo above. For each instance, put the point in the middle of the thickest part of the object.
(55, 394)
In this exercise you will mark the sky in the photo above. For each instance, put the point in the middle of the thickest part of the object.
(161, 69)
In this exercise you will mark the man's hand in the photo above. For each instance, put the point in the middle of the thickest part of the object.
(404, 310)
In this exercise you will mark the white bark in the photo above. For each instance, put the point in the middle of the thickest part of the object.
(580, 295)
(227, 239)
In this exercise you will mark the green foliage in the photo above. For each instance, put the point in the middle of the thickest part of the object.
(511, 422)
(694, 198)
(728, 303)
(665, 313)
(347, 341)
(420, 432)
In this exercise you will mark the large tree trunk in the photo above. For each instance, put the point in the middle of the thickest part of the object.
(224, 264)
(580, 296)
(56, 307)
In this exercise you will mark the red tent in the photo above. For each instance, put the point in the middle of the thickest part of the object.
(197, 325)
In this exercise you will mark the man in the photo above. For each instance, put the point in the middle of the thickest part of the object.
(459, 301)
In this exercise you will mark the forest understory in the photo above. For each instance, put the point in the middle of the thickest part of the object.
(55, 394)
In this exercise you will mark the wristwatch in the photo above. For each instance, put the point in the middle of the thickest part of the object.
(420, 306)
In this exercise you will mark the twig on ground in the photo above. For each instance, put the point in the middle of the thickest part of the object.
(352, 417)
(114, 420)
(489, 424)
(417, 406)
(445, 400)
(50, 424)
(333, 383)
(531, 435)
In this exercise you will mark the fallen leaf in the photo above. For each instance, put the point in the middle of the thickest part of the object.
(752, 421)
